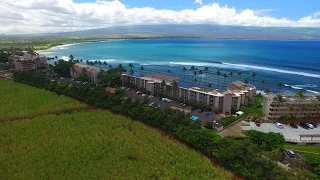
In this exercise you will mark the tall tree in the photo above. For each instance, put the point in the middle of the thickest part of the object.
(231, 75)
(218, 73)
(240, 74)
(206, 70)
(262, 83)
(279, 99)
(301, 95)
(195, 77)
(142, 69)
(279, 85)
(131, 71)
(131, 65)
(246, 81)
(225, 76)
(169, 71)
(253, 75)
(184, 70)
(200, 73)
(71, 57)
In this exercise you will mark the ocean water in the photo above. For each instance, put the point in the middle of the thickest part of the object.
(296, 64)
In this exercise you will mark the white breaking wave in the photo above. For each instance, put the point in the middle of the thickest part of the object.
(296, 87)
(274, 70)
(316, 92)
(66, 58)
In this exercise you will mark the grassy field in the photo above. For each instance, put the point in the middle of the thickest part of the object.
(96, 145)
(307, 148)
(22, 101)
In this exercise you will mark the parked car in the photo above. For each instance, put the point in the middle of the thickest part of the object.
(310, 125)
(151, 104)
(143, 95)
(279, 125)
(138, 92)
(294, 126)
(314, 125)
(183, 105)
(290, 153)
(304, 125)
(200, 111)
(257, 123)
(150, 96)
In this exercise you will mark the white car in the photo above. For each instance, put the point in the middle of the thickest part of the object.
(279, 125)
(310, 126)
(143, 95)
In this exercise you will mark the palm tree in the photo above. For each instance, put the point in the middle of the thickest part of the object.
(253, 75)
(301, 95)
(120, 66)
(239, 74)
(231, 75)
(100, 63)
(312, 107)
(218, 74)
(279, 85)
(184, 69)
(246, 81)
(225, 77)
(279, 99)
(209, 85)
(142, 69)
(290, 109)
(200, 73)
(131, 65)
(169, 71)
(105, 63)
(131, 71)
(206, 69)
(262, 83)
(71, 57)
(87, 62)
(110, 66)
(195, 76)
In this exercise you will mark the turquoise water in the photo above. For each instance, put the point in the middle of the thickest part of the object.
(296, 64)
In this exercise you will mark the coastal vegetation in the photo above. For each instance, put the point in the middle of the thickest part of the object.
(243, 155)
(22, 101)
(96, 145)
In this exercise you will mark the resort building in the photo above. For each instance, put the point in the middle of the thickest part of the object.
(27, 62)
(291, 107)
(238, 93)
(90, 71)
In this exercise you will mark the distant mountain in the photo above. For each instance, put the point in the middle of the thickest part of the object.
(204, 31)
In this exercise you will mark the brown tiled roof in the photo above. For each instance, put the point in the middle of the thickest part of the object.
(227, 93)
(163, 77)
(239, 84)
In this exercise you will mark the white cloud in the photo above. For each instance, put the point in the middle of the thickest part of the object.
(37, 16)
(198, 1)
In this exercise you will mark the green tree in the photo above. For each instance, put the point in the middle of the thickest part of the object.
(83, 78)
(279, 85)
(218, 73)
(63, 68)
(225, 76)
(279, 99)
(184, 70)
(206, 70)
(142, 69)
(262, 83)
(240, 74)
(195, 77)
(200, 73)
(71, 58)
(301, 95)
(231, 75)
(246, 81)
(131, 71)
(253, 75)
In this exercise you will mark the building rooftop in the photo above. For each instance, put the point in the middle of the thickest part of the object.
(239, 85)
(163, 77)
(288, 98)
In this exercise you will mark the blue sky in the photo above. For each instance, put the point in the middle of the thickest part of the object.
(291, 9)
(37, 16)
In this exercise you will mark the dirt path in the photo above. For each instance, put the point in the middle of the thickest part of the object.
(234, 130)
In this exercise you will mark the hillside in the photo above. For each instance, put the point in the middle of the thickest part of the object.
(88, 144)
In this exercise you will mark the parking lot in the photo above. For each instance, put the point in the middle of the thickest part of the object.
(175, 105)
(290, 134)
(290, 161)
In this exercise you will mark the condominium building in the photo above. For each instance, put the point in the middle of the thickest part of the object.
(291, 107)
(238, 93)
(90, 71)
(27, 62)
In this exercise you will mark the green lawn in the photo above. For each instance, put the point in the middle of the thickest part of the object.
(306, 148)
(22, 101)
(96, 145)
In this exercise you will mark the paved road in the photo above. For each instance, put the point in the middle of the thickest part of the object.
(290, 162)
